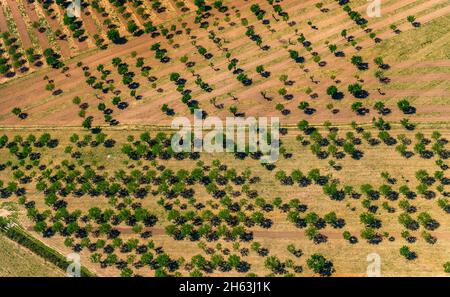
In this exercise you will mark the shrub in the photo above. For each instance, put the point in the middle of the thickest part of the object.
(407, 253)
(447, 267)
(320, 265)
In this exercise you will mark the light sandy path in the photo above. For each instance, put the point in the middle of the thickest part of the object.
(21, 26)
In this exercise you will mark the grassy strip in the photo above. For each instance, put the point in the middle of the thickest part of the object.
(20, 236)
